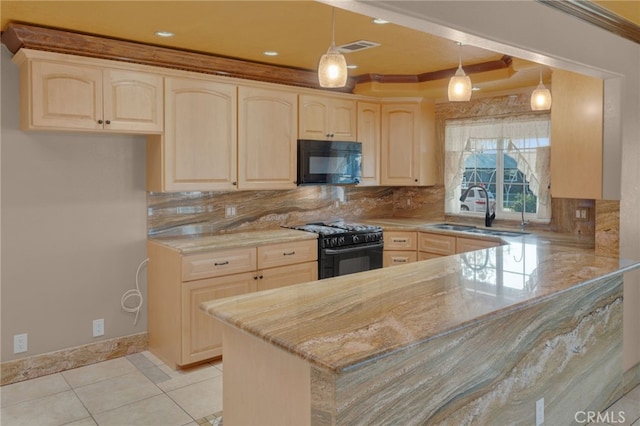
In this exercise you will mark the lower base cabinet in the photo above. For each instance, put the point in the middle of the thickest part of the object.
(399, 248)
(179, 332)
(202, 337)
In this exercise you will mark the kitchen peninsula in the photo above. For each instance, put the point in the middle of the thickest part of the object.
(473, 338)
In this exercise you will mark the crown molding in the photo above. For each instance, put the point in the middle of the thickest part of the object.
(504, 62)
(597, 15)
(17, 36)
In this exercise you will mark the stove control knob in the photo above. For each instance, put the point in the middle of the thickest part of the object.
(356, 238)
(334, 241)
(341, 240)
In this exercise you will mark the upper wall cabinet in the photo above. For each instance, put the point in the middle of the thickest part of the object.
(408, 144)
(198, 149)
(576, 136)
(369, 136)
(65, 92)
(267, 130)
(327, 118)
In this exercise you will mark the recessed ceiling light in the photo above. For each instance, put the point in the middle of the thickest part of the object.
(379, 21)
(475, 89)
(352, 67)
(164, 34)
(271, 53)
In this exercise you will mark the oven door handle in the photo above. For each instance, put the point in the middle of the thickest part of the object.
(352, 249)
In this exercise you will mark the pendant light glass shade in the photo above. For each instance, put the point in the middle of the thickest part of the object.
(332, 69)
(541, 97)
(460, 84)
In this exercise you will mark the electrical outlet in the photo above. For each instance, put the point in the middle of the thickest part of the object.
(540, 412)
(230, 211)
(20, 343)
(98, 327)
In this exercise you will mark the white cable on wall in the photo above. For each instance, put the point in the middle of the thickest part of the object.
(134, 292)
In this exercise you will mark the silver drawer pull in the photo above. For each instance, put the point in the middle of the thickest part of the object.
(400, 260)
(226, 262)
(291, 253)
(399, 240)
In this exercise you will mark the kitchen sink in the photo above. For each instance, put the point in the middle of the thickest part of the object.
(453, 227)
(476, 230)
(496, 232)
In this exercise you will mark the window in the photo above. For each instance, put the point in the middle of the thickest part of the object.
(509, 157)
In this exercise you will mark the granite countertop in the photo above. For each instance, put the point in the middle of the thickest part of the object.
(199, 244)
(342, 322)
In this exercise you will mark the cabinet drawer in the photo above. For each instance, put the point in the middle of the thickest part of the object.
(289, 253)
(218, 263)
(398, 257)
(470, 244)
(437, 244)
(400, 240)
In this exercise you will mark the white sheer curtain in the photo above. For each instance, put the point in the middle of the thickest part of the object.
(527, 140)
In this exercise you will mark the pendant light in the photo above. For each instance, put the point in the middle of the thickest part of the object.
(541, 97)
(332, 69)
(460, 83)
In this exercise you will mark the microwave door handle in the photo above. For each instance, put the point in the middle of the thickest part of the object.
(352, 249)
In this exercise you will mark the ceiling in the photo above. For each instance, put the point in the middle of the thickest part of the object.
(300, 31)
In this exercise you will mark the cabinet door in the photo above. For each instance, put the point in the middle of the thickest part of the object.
(267, 129)
(399, 139)
(325, 118)
(313, 116)
(287, 275)
(576, 136)
(201, 334)
(199, 144)
(369, 135)
(133, 101)
(342, 119)
(464, 245)
(439, 244)
(62, 96)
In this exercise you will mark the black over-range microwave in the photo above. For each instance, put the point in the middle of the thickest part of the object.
(329, 162)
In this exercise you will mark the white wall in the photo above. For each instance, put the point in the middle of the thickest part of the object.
(73, 230)
(534, 31)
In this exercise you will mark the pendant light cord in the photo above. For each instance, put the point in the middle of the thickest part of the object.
(333, 27)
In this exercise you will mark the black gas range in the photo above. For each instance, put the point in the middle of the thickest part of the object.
(345, 248)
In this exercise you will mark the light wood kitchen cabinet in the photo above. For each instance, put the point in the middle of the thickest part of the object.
(368, 134)
(432, 245)
(399, 248)
(198, 151)
(436, 245)
(179, 332)
(267, 136)
(398, 257)
(284, 276)
(202, 336)
(66, 92)
(464, 245)
(408, 146)
(327, 118)
(576, 135)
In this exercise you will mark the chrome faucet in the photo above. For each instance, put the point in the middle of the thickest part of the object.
(488, 218)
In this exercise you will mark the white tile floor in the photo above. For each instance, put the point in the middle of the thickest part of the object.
(134, 390)
(140, 390)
